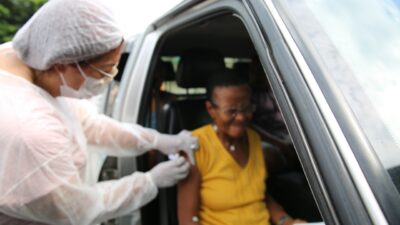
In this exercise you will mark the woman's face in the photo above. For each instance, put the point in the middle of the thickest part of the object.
(231, 110)
(104, 63)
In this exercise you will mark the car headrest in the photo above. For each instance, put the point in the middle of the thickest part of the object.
(165, 71)
(196, 65)
(242, 68)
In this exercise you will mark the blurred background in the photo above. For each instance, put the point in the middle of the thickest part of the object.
(132, 15)
(14, 13)
(135, 15)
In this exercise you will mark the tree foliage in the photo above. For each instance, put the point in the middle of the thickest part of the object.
(13, 14)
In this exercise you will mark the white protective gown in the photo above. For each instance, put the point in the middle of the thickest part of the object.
(43, 157)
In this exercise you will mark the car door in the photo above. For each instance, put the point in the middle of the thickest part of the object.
(349, 180)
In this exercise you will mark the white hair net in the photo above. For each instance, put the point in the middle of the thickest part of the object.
(66, 31)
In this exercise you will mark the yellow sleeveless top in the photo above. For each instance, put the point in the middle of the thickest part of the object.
(230, 194)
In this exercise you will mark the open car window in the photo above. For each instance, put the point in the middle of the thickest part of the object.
(194, 53)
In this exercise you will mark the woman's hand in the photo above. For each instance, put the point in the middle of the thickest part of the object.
(292, 221)
(189, 144)
(184, 141)
(168, 173)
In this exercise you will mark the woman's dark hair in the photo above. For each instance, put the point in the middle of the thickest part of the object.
(224, 78)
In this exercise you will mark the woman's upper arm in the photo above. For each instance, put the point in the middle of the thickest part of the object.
(189, 197)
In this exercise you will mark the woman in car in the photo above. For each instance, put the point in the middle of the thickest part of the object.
(227, 184)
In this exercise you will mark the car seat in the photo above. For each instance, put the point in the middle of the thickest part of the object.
(241, 67)
(163, 72)
(188, 112)
(153, 212)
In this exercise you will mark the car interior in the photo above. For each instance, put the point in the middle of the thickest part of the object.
(174, 99)
(184, 60)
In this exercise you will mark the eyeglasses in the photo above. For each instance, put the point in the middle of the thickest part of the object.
(234, 111)
(110, 76)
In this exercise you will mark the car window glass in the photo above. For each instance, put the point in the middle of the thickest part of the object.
(359, 43)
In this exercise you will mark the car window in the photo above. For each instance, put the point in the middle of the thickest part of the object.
(359, 43)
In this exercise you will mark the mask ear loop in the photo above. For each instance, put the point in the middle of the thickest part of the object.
(62, 78)
(81, 72)
(61, 74)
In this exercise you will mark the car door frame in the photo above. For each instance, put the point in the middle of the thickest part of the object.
(367, 183)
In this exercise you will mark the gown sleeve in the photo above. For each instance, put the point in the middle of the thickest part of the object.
(43, 182)
(117, 138)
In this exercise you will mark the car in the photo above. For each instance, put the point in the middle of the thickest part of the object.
(333, 68)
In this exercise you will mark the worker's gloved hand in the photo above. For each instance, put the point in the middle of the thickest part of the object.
(168, 173)
(170, 144)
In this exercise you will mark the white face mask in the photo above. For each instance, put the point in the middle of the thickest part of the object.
(90, 87)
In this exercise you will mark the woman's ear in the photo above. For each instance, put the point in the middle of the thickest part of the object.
(59, 67)
(210, 108)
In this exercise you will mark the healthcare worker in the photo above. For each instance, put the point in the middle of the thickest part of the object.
(67, 51)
